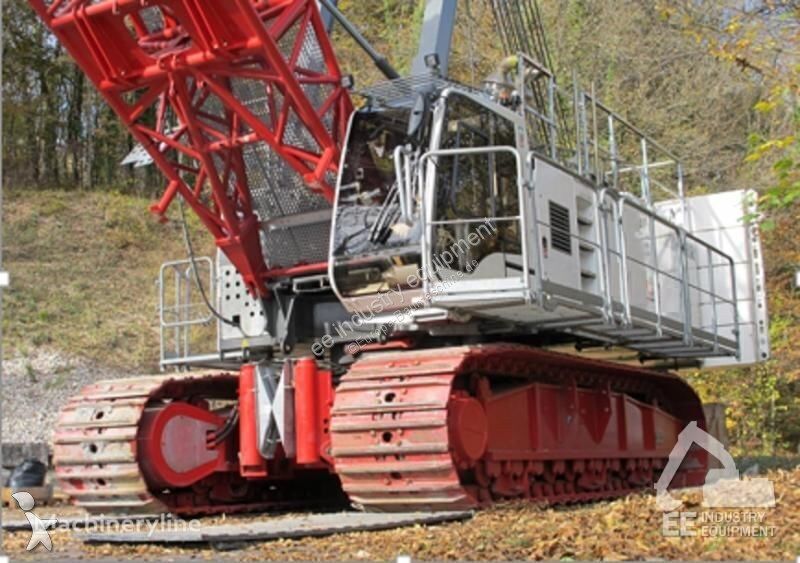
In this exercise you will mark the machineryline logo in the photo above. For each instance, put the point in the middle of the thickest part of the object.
(41, 527)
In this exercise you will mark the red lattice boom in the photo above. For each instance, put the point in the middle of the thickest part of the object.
(198, 81)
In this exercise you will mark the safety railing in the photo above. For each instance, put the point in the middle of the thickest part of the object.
(685, 291)
(693, 275)
(576, 130)
(572, 128)
(405, 162)
(427, 178)
(688, 290)
(183, 316)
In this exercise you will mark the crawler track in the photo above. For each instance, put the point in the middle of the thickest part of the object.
(96, 463)
(445, 429)
(395, 427)
(95, 447)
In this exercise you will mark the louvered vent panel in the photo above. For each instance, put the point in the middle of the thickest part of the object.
(560, 228)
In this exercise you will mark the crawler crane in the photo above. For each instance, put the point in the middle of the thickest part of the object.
(420, 304)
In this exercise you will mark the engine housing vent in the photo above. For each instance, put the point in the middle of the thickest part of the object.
(560, 231)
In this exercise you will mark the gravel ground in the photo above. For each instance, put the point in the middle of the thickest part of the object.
(36, 386)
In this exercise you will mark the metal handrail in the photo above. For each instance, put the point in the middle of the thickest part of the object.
(539, 293)
(186, 275)
(716, 299)
(610, 207)
(605, 262)
(684, 236)
(586, 136)
(428, 158)
(183, 284)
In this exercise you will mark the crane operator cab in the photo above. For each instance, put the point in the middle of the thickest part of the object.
(428, 201)
(535, 211)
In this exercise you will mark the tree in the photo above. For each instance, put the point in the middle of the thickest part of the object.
(58, 131)
(762, 40)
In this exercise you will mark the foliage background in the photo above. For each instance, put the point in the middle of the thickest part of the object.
(716, 80)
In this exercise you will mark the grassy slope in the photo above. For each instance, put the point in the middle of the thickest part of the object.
(83, 269)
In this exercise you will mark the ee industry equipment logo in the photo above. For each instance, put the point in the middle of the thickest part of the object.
(737, 501)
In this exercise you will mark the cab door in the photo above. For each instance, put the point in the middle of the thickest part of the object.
(475, 236)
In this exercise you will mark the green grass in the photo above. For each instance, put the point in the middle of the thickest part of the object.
(83, 270)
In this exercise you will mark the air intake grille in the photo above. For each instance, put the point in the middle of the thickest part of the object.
(560, 228)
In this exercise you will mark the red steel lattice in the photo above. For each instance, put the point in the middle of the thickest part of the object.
(174, 71)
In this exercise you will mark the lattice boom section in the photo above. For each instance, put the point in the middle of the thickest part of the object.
(239, 102)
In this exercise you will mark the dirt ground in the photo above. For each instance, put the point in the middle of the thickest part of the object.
(629, 528)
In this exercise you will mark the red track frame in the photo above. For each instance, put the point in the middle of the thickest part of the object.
(158, 80)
